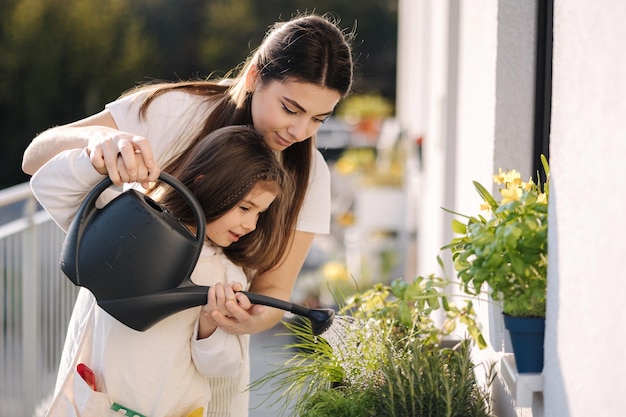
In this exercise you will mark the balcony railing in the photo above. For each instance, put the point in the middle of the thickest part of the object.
(36, 301)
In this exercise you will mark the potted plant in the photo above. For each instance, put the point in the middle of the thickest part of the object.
(384, 355)
(365, 112)
(508, 252)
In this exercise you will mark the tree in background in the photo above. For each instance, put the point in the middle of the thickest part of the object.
(62, 60)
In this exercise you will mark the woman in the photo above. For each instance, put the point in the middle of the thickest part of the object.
(286, 89)
(184, 363)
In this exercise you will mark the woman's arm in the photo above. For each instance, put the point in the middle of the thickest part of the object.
(104, 142)
(279, 282)
(62, 183)
(60, 138)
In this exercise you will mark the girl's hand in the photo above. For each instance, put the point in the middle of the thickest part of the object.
(123, 157)
(230, 310)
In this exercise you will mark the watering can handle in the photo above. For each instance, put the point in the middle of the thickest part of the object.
(89, 203)
(268, 301)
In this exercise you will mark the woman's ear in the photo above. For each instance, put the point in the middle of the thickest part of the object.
(252, 77)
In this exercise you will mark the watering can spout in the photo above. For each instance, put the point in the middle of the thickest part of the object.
(320, 318)
(141, 313)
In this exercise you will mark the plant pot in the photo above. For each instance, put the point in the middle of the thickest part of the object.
(527, 335)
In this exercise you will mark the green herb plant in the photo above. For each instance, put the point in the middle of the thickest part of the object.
(391, 359)
(508, 251)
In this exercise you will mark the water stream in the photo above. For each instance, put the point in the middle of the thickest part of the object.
(337, 333)
(358, 346)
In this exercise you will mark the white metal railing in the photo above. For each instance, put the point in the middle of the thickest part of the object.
(36, 301)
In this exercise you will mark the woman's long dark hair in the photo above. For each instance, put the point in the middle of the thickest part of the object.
(224, 167)
(309, 48)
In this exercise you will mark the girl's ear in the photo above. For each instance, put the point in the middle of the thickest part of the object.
(252, 77)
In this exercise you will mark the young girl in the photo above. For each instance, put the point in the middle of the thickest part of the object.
(287, 88)
(185, 362)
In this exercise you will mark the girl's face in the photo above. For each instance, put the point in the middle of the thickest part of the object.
(241, 219)
(286, 112)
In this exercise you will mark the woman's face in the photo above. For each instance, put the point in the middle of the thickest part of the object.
(286, 112)
(241, 219)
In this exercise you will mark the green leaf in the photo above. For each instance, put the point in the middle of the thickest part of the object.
(455, 213)
(459, 227)
(486, 196)
(445, 303)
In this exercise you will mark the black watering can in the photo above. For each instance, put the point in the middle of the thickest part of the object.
(137, 259)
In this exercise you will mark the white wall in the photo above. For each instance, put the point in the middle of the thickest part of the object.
(481, 112)
(472, 96)
(585, 367)
(494, 122)
(422, 82)
(475, 114)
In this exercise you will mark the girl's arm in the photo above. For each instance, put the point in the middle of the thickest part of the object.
(277, 283)
(215, 352)
(104, 142)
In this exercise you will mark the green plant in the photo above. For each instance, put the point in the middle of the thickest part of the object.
(434, 382)
(407, 307)
(363, 106)
(311, 366)
(367, 165)
(382, 344)
(508, 251)
(341, 402)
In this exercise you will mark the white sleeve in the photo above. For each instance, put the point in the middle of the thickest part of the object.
(232, 350)
(169, 122)
(219, 355)
(62, 183)
(315, 213)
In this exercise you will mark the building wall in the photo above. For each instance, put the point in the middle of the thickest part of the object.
(475, 88)
(584, 370)
(471, 96)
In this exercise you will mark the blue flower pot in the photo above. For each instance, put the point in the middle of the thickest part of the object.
(527, 335)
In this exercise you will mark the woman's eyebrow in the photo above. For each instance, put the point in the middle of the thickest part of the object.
(302, 109)
(249, 202)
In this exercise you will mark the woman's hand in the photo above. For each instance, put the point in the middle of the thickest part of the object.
(122, 156)
(230, 310)
(105, 143)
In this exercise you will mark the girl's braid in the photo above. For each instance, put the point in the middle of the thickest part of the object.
(238, 195)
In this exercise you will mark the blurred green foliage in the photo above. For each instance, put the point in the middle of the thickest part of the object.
(62, 60)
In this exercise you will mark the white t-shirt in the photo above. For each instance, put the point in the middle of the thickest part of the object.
(170, 119)
(161, 372)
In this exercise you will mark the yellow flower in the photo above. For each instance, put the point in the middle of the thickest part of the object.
(499, 178)
(485, 207)
(335, 271)
(346, 219)
(542, 198)
(512, 176)
(528, 186)
(510, 193)
(346, 166)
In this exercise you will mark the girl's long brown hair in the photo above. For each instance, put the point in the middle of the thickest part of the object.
(309, 48)
(224, 167)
